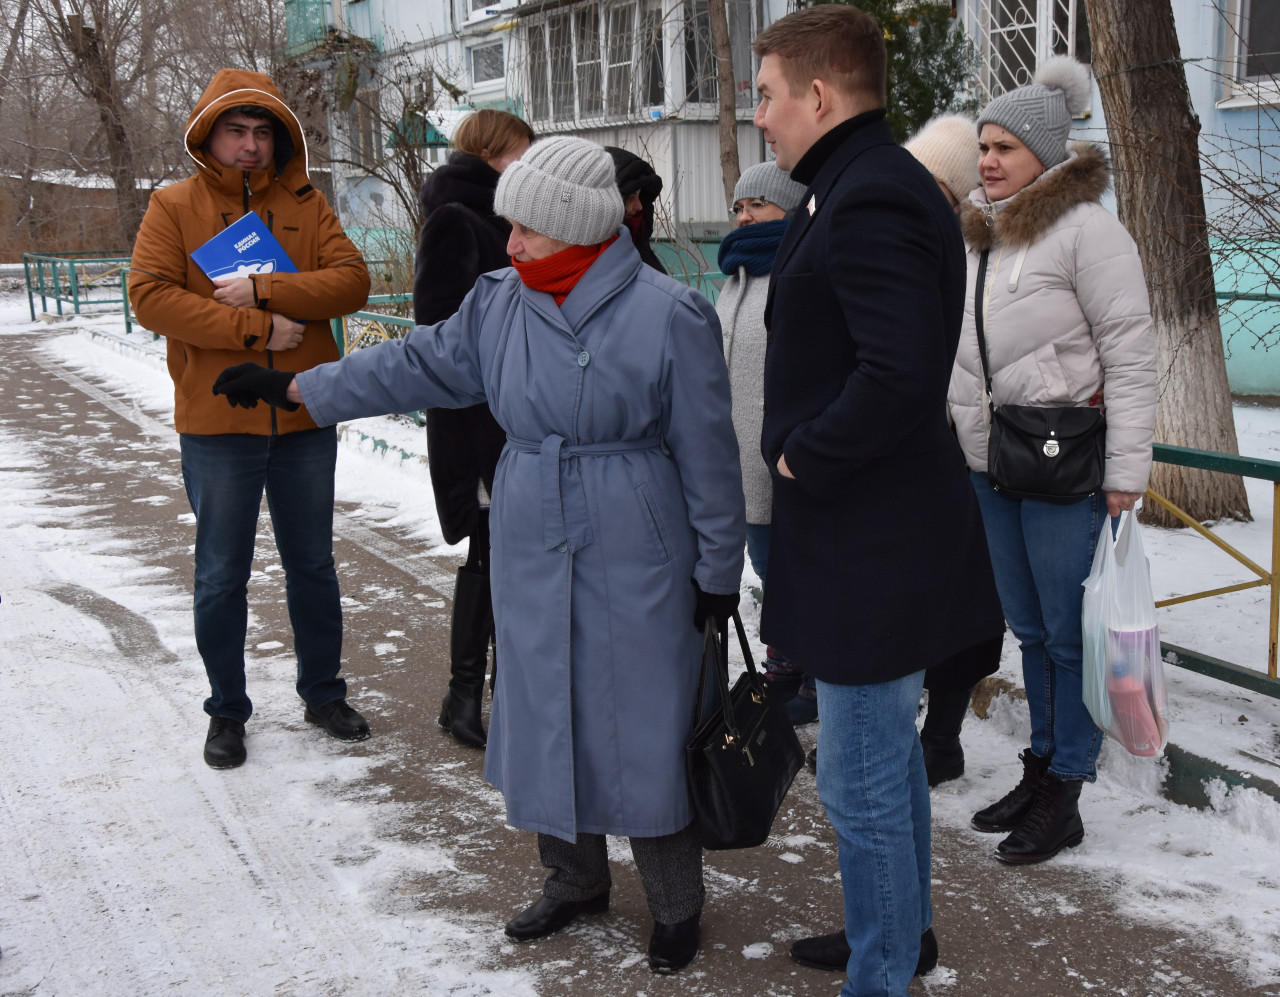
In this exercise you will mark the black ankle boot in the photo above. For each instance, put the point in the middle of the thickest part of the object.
(1053, 824)
(940, 736)
(469, 638)
(1012, 809)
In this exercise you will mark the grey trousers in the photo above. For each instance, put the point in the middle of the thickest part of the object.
(670, 868)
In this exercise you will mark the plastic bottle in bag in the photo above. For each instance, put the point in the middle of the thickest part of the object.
(1132, 720)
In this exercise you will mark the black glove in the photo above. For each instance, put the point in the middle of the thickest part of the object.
(712, 604)
(245, 383)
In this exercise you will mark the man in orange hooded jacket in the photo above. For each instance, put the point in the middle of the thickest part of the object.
(250, 155)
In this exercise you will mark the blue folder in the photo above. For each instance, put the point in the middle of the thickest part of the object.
(243, 248)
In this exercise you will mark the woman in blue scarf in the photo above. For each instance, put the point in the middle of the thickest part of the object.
(762, 199)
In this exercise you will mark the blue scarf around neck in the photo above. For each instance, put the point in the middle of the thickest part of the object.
(751, 246)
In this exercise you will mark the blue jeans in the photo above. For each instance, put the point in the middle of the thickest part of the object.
(758, 548)
(873, 785)
(225, 476)
(1042, 554)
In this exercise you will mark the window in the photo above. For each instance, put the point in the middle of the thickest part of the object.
(477, 6)
(486, 63)
(606, 60)
(699, 53)
(1252, 56)
(1015, 36)
(364, 130)
(587, 51)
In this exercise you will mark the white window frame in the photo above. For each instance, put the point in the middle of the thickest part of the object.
(1042, 31)
(1238, 89)
(490, 81)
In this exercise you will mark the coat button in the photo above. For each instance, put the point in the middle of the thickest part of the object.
(563, 546)
(584, 358)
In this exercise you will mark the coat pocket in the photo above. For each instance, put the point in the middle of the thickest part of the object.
(653, 518)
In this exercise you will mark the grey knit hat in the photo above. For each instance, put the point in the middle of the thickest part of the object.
(1039, 114)
(562, 187)
(769, 183)
(947, 146)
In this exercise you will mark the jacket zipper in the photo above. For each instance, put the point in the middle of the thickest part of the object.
(275, 429)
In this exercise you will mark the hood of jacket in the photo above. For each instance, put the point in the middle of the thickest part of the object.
(465, 179)
(236, 88)
(1022, 219)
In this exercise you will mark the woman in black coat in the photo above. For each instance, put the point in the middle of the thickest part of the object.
(461, 239)
(639, 185)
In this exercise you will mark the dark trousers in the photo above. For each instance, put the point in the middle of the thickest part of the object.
(225, 477)
(670, 867)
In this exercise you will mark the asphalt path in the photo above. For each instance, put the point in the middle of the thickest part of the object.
(1003, 932)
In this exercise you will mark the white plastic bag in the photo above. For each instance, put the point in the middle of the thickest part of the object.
(1123, 673)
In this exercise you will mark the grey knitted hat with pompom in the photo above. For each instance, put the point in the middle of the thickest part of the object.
(1039, 114)
(562, 187)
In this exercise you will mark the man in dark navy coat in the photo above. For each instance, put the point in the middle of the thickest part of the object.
(879, 567)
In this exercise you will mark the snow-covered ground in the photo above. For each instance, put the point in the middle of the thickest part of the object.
(106, 866)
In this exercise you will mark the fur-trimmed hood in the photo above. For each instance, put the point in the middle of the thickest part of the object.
(1023, 218)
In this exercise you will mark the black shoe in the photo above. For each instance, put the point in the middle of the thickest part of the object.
(1012, 809)
(546, 916)
(928, 960)
(1053, 824)
(943, 757)
(831, 952)
(673, 946)
(469, 636)
(224, 744)
(811, 759)
(339, 720)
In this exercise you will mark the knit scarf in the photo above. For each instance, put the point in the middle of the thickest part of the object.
(751, 246)
(560, 272)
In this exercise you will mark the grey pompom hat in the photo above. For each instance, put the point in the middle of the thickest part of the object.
(769, 183)
(562, 187)
(1039, 114)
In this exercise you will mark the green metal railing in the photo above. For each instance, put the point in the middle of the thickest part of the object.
(1196, 661)
(77, 279)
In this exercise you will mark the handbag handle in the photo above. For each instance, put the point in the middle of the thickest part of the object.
(715, 642)
(979, 289)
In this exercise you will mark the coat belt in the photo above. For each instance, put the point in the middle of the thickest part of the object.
(572, 533)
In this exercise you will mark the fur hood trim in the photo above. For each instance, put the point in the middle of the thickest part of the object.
(1023, 218)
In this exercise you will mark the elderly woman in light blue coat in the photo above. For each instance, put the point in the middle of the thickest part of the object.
(617, 520)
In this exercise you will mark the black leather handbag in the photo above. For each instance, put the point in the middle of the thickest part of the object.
(1053, 454)
(743, 755)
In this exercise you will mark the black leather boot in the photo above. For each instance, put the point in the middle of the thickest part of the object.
(1053, 824)
(1012, 809)
(940, 736)
(469, 638)
(546, 916)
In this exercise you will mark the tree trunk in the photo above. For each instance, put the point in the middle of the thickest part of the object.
(726, 91)
(83, 44)
(1154, 145)
(10, 53)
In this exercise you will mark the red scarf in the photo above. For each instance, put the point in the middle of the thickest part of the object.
(560, 272)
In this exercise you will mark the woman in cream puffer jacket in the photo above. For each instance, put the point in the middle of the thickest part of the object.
(1066, 309)
(1067, 323)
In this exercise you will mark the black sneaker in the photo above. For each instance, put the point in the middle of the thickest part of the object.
(339, 720)
(224, 744)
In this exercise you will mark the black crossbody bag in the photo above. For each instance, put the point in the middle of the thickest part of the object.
(1053, 454)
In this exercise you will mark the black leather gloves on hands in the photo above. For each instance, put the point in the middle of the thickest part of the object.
(715, 605)
(245, 383)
